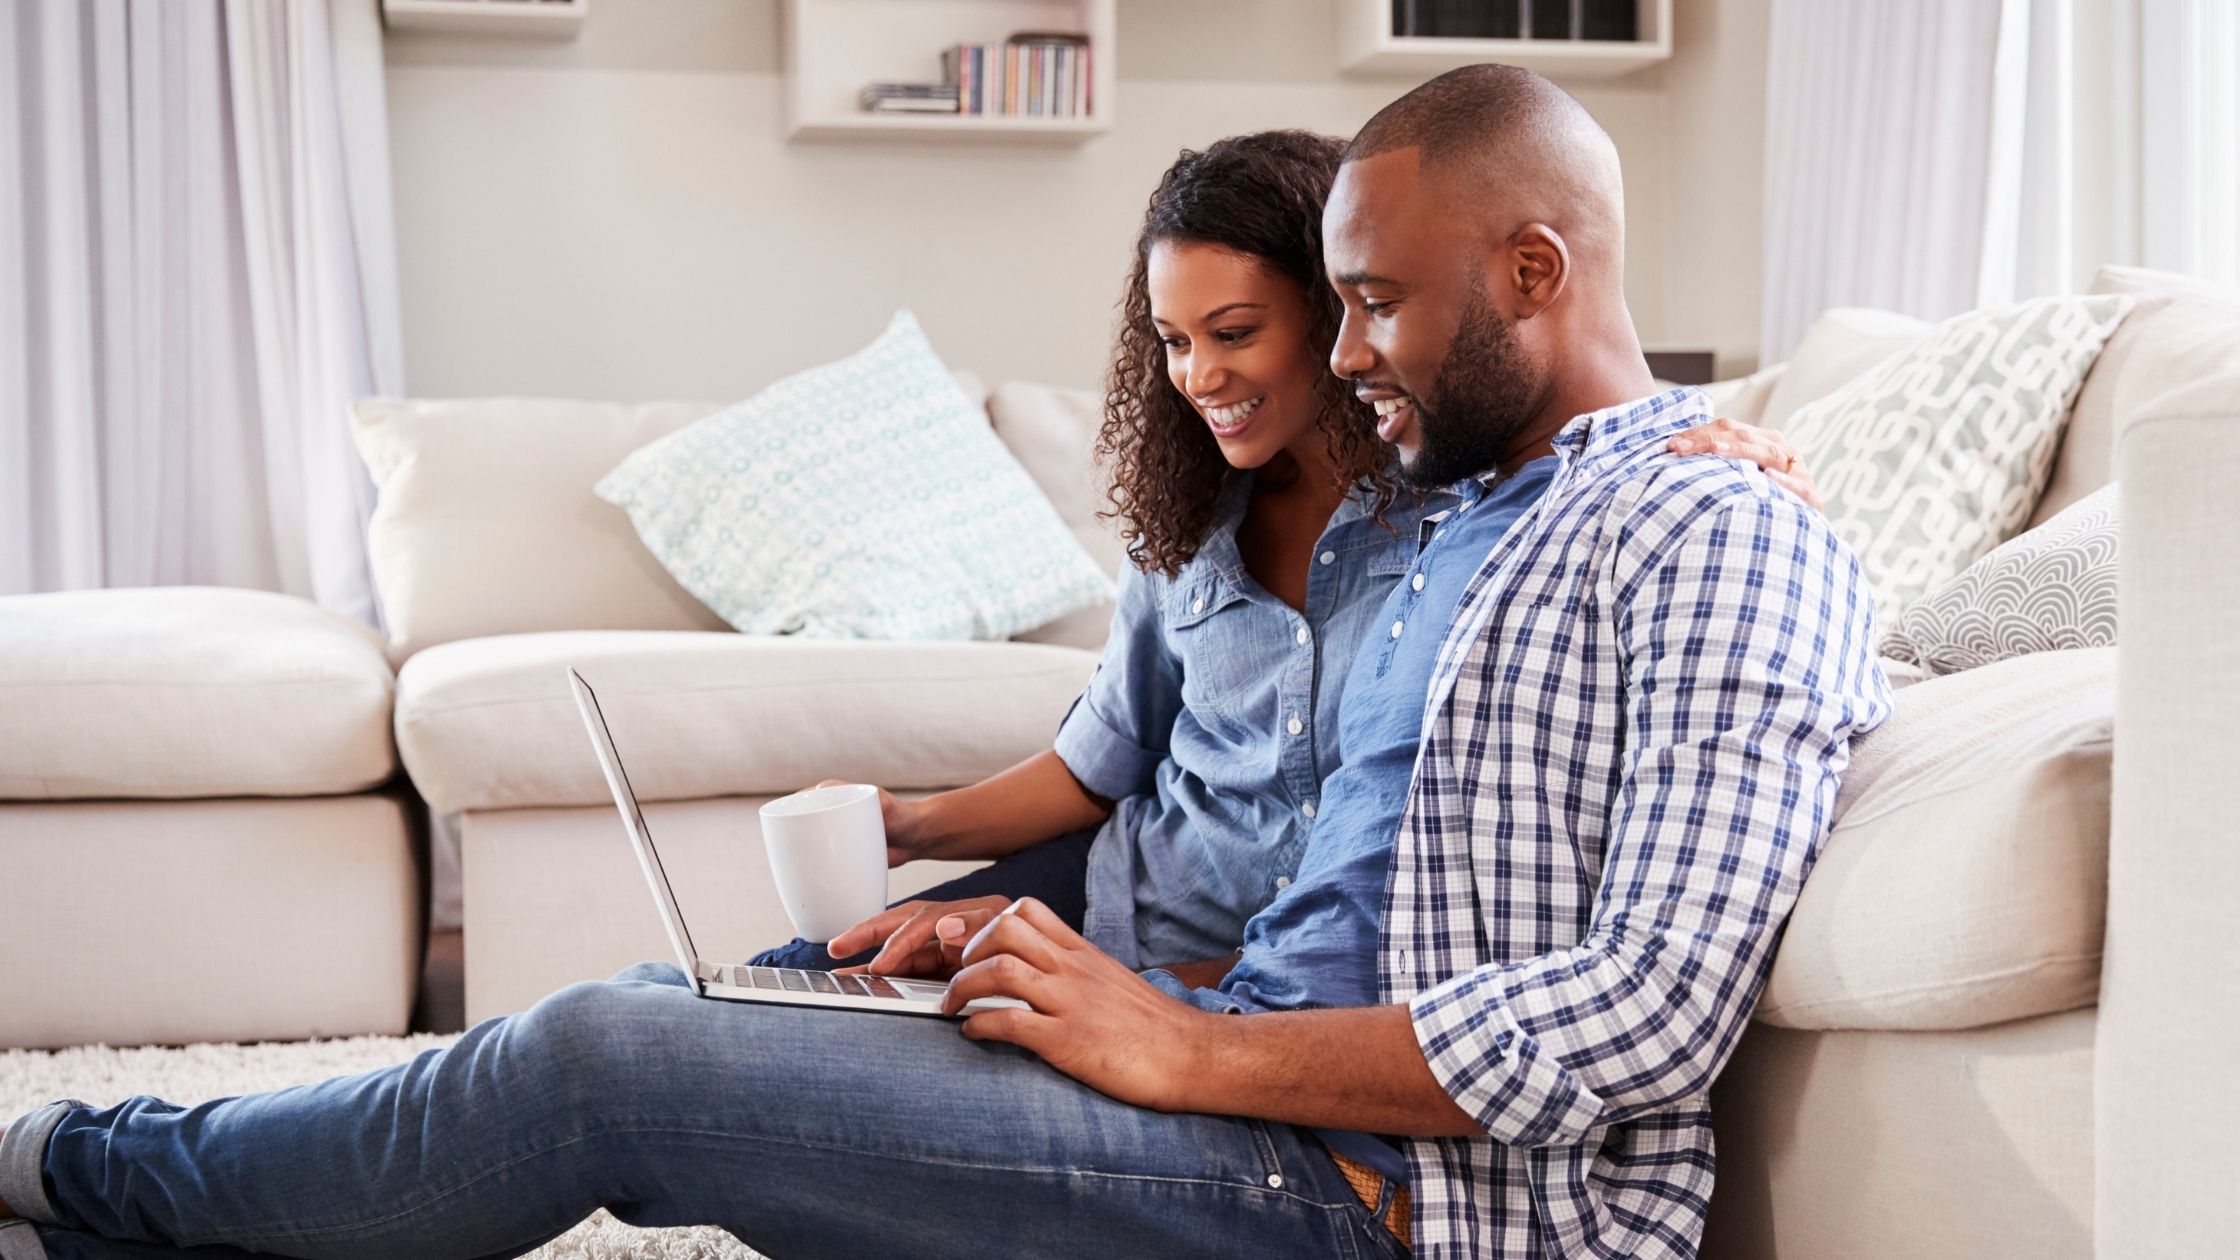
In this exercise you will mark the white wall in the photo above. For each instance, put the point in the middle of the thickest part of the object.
(621, 217)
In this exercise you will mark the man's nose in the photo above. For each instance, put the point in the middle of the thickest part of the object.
(1350, 356)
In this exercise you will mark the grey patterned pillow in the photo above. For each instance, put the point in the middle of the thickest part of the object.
(1938, 454)
(2049, 589)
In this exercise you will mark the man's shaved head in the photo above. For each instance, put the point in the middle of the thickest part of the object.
(1476, 238)
(1500, 136)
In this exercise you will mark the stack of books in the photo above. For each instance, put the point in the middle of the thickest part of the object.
(908, 98)
(1033, 74)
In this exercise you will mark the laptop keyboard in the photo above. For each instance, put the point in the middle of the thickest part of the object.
(798, 980)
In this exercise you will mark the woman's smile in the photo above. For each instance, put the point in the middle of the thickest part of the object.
(1229, 421)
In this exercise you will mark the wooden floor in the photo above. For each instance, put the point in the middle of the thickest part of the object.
(442, 1007)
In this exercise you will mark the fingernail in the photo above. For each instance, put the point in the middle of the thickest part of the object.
(949, 929)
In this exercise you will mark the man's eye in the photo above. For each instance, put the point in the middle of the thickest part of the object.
(1377, 309)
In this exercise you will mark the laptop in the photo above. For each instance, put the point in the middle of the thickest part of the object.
(777, 986)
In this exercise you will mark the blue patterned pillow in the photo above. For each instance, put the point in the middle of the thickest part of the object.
(865, 499)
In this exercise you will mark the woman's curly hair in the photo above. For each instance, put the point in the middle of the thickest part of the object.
(1260, 195)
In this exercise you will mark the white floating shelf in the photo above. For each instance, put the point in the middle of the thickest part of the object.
(835, 47)
(1367, 46)
(525, 19)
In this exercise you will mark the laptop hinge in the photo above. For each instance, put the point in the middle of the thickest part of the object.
(708, 973)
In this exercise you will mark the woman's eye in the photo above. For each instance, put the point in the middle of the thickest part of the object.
(1231, 336)
(1173, 343)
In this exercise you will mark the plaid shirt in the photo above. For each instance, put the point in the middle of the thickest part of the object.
(1630, 757)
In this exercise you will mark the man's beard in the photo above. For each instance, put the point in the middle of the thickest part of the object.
(1480, 400)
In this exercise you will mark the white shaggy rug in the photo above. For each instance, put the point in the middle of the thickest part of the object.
(192, 1074)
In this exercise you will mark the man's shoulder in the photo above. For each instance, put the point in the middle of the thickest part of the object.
(1657, 500)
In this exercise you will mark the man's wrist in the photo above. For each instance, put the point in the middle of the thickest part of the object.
(1192, 1045)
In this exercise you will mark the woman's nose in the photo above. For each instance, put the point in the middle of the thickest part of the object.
(1206, 375)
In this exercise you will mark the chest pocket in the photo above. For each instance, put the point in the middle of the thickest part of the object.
(1209, 628)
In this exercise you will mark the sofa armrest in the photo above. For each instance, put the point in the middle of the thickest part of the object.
(2167, 1129)
(489, 723)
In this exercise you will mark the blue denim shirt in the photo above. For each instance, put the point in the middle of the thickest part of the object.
(1212, 722)
(1316, 943)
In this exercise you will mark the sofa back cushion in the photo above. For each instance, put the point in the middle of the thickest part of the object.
(1841, 346)
(486, 523)
(1053, 431)
(2180, 330)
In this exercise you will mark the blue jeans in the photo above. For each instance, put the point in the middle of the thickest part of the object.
(1055, 872)
(803, 1132)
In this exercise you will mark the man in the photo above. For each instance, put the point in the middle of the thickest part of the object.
(1630, 751)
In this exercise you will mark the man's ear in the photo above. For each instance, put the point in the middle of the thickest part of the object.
(1539, 265)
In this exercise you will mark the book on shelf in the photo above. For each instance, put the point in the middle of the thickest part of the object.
(1033, 74)
(908, 98)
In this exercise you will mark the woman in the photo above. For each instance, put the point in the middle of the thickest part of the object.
(1265, 530)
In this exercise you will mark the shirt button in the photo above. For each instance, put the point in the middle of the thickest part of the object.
(1301, 636)
(1307, 809)
(1283, 881)
(1329, 557)
(1197, 606)
(1295, 725)
(1275, 1181)
(1396, 628)
(1418, 583)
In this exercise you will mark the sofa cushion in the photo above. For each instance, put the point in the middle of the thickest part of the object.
(1941, 452)
(1841, 346)
(188, 692)
(1745, 398)
(489, 724)
(1965, 882)
(2047, 589)
(866, 498)
(486, 523)
(1053, 431)
(2179, 329)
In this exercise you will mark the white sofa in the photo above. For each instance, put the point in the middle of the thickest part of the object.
(1947, 1062)
(201, 833)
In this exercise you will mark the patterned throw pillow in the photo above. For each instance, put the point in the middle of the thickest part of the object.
(867, 498)
(2044, 591)
(1938, 454)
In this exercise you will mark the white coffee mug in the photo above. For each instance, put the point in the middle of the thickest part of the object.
(828, 857)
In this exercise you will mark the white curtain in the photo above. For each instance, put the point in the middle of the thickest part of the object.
(1930, 157)
(1878, 129)
(196, 276)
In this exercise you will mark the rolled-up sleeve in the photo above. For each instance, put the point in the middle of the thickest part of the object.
(1749, 669)
(1117, 732)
